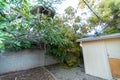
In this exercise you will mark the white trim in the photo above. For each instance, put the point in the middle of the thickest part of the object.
(116, 35)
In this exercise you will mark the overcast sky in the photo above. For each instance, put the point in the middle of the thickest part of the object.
(65, 4)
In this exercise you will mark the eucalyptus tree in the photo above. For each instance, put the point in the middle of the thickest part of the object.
(104, 13)
(109, 11)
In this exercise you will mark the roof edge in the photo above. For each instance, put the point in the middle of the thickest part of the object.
(115, 35)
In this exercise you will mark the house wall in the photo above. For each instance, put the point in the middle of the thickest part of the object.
(113, 47)
(113, 50)
(14, 61)
(96, 59)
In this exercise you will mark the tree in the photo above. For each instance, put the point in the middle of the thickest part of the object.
(70, 26)
(56, 37)
(105, 13)
(89, 4)
(110, 14)
(17, 33)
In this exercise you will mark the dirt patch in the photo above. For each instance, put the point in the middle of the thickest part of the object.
(115, 67)
(39, 73)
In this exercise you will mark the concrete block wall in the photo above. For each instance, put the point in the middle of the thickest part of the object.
(25, 59)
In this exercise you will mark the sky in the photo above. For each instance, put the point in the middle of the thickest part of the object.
(65, 4)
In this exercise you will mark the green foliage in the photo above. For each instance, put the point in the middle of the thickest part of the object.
(70, 11)
(1, 46)
(69, 35)
(82, 5)
(108, 11)
(57, 44)
(111, 15)
(60, 41)
(93, 19)
(16, 44)
(20, 33)
(111, 30)
(72, 61)
(103, 12)
(77, 19)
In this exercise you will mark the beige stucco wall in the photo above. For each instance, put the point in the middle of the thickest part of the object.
(14, 61)
(113, 47)
(95, 59)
